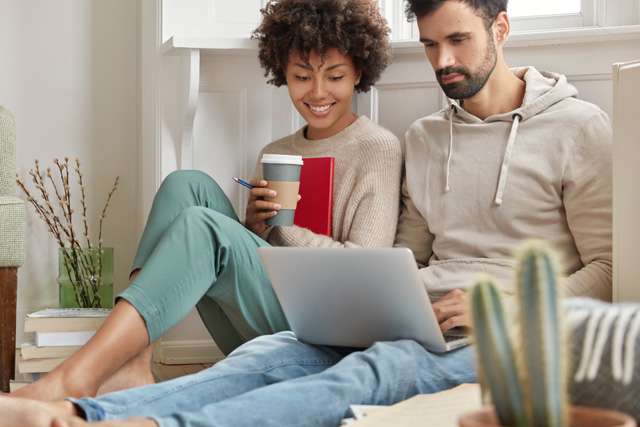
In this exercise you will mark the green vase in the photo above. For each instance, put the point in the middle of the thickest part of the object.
(86, 277)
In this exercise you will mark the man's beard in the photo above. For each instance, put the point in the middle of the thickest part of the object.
(472, 82)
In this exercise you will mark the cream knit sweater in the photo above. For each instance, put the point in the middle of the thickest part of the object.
(366, 186)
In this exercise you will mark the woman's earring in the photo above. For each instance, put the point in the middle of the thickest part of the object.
(357, 82)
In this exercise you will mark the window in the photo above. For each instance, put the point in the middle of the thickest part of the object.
(551, 14)
(520, 8)
(538, 15)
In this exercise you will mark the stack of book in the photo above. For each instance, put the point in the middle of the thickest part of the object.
(57, 334)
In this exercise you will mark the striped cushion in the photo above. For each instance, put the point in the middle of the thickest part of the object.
(605, 354)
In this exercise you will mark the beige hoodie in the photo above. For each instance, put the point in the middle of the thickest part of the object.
(475, 189)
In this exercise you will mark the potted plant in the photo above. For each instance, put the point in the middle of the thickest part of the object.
(85, 273)
(522, 360)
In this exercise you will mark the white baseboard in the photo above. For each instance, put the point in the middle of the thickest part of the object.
(187, 352)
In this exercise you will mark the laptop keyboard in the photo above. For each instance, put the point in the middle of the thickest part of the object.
(452, 337)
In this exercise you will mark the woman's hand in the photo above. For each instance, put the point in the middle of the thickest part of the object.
(453, 310)
(258, 209)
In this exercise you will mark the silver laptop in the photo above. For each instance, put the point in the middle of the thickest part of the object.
(355, 296)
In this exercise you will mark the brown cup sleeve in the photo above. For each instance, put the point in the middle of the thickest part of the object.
(287, 195)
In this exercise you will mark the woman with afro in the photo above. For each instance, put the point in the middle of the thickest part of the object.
(195, 252)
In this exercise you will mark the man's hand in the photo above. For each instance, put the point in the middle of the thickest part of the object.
(453, 310)
(256, 214)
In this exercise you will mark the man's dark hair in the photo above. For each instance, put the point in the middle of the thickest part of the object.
(488, 10)
(355, 27)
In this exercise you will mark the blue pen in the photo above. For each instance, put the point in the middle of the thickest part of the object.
(239, 181)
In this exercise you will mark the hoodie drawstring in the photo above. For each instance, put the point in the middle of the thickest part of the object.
(505, 161)
(502, 181)
(446, 185)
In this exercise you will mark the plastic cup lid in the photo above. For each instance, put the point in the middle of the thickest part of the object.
(281, 159)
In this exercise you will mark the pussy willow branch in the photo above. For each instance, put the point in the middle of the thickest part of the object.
(66, 205)
(50, 216)
(84, 204)
(50, 206)
(83, 269)
(60, 197)
(104, 211)
(42, 213)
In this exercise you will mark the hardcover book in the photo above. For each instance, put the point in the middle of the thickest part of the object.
(38, 365)
(316, 188)
(70, 338)
(29, 350)
(66, 319)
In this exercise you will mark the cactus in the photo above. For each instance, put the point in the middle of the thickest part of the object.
(525, 375)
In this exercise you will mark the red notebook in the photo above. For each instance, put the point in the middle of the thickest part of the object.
(316, 188)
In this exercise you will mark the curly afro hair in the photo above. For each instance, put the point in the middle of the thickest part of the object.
(355, 27)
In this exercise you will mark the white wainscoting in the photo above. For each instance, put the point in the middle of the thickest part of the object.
(218, 111)
(211, 18)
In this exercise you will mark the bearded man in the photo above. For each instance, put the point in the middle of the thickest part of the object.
(514, 155)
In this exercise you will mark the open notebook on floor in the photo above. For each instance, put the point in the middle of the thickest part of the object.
(354, 296)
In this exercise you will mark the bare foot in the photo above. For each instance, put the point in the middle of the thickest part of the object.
(56, 385)
(60, 384)
(135, 373)
(120, 338)
(79, 422)
(32, 413)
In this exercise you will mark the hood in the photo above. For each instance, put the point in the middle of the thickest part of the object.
(543, 89)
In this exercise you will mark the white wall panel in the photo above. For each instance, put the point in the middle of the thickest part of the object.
(285, 118)
(417, 100)
(210, 18)
(234, 17)
(243, 72)
(595, 88)
(220, 136)
(574, 59)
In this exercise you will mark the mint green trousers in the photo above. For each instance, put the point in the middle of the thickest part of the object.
(195, 253)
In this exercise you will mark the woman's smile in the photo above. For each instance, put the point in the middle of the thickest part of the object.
(321, 89)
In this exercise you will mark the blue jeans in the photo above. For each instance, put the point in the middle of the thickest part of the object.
(280, 381)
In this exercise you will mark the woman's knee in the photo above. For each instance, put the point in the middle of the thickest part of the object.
(185, 188)
(180, 180)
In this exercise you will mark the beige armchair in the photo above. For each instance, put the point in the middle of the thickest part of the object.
(13, 236)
